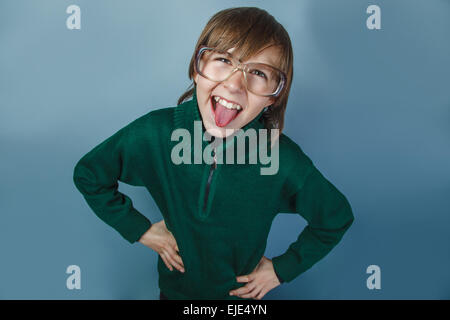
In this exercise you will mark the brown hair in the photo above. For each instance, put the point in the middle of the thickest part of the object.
(249, 30)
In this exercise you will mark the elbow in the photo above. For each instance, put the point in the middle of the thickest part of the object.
(335, 225)
(77, 176)
(348, 216)
(82, 177)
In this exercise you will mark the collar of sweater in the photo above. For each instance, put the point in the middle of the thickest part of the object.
(186, 113)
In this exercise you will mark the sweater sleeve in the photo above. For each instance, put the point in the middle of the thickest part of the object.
(96, 176)
(328, 214)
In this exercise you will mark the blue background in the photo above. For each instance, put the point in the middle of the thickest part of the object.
(370, 107)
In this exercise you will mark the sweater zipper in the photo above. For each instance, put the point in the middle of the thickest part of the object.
(211, 172)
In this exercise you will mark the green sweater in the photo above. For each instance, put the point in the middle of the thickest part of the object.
(220, 221)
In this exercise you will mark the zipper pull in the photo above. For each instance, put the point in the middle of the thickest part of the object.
(215, 158)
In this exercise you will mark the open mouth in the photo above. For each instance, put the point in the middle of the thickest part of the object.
(224, 111)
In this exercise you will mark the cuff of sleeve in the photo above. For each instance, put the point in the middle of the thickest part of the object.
(279, 278)
(284, 266)
(133, 225)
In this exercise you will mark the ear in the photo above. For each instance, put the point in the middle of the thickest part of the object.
(272, 101)
(195, 77)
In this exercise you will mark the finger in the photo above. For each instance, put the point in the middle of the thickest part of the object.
(242, 279)
(175, 256)
(246, 278)
(262, 294)
(244, 290)
(178, 259)
(173, 243)
(173, 262)
(253, 293)
(163, 257)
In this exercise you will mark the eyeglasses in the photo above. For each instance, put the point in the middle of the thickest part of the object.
(259, 78)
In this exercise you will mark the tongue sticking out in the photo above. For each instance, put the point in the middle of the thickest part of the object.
(224, 115)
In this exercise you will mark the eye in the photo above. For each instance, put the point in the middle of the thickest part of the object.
(223, 60)
(259, 73)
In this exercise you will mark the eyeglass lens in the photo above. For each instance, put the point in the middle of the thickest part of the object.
(217, 66)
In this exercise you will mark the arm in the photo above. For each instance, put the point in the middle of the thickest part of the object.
(96, 175)
(328, 214)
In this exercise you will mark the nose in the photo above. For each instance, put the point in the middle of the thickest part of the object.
(236, 81)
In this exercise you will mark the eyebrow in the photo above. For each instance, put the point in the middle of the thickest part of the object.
(233, 55)
(270, 63)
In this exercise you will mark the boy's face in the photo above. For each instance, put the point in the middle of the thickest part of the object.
(232, 90)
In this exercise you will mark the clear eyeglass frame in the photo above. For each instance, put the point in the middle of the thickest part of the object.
(243, 67)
